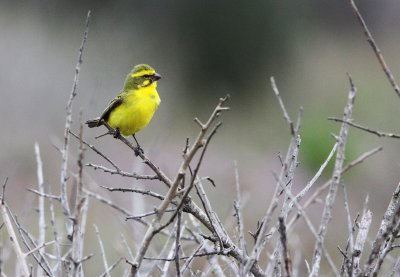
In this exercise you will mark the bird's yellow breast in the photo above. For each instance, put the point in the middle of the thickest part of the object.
(136, 110)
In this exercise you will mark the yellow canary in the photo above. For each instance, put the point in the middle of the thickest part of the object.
(133, 108)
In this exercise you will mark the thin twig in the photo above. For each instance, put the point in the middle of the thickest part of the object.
(111, 267)
(108, 202)
(147, 214)
(285, 251)
(203, 254)
(122, 173)
(350, 229)
(178, 245)
(136, 190)
(42, 222)
(171, 253)
(289, 176)
(361, 158)
(68, 122)
(39, 247)
(375, 47)
(79, 214)
(45, 195)
(13, 237)
(191, 257)
(103, 253)
(360, 241)
(72, 226)
(366, 129)
(238, 214)
(209, 212)
(29, 242)
(57, 269)
(285, 113)
(337, 173)
(79, 223)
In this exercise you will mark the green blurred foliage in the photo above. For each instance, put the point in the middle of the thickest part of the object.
(317, 140)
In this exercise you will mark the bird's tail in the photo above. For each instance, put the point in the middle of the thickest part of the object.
(93, 123)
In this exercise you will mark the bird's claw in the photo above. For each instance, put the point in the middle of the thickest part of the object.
(138, 150)
(116, 133)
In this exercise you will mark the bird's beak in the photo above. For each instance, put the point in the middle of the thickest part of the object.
(156, 77)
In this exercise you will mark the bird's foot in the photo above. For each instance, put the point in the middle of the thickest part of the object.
(138, 150)
(116, 133)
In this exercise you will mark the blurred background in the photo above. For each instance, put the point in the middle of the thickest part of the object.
(203, 50)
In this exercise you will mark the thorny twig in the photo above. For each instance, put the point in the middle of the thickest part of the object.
(366, 129)
(13, 236)
(41, 211)
(337, 173)
(375, 47)
(285, 251)
(68, 122)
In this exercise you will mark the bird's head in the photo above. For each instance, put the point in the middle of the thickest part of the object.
(142, 75)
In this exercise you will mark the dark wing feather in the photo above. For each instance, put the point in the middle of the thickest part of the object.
(113, 104)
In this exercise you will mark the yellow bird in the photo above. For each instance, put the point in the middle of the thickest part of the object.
(133, 108)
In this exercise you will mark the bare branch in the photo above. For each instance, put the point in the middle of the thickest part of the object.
(68, 122)
(178, 245)
(136, 190)
(58, 267)
(25, 272)
(45, 195)
(29, 242)
(350, 229)
(42, 222)
(239, 216)
(111, 267)
(103, 253)
(147, 214)
(337, 173)
(285, 252)
(375, 48)
(107, 202)
(123, 173)
(366, 129)
(285, 113)
(360, 241)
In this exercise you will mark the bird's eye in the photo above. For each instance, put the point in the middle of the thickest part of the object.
(147, 76)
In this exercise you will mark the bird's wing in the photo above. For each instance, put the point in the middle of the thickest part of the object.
(113, 104)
